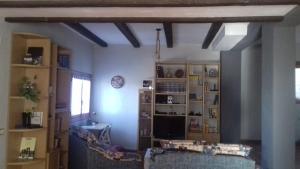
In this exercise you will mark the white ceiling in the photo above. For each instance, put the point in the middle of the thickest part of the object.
(146, 33)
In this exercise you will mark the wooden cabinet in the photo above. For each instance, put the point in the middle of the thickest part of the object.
(145, 119)
(40, 75)
(61, 77)
(187, 102)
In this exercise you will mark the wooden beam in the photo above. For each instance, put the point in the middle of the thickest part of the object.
(138, 3)
(169, 33)
(86, 33)
(123, 27)
(214, 29)
(141, 19)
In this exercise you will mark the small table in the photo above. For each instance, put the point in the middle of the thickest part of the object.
(99, 126)
(96, 129)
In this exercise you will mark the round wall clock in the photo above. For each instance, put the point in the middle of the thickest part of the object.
(117, 82)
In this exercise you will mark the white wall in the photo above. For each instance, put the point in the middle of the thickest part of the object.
(120, 106)
(298, 59)
(82, 60)
(251, 93)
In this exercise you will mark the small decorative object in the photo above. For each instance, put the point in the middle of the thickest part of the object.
(192, 96)
(212, 72)
(169, 74)
(117, 82)
(179, 73)
(63, 61)
(27, 148)
(147, 99)
(26, 119)
(27, 59)
(36, 54)
(147, 83)
(160, 72)
(194, 125)
(212, 113)
(36, 119)
(216, 100)
(170, 100)
(29, 89)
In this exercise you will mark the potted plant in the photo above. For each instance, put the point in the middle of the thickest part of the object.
(29, 89)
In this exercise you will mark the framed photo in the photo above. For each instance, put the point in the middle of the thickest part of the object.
(147, 83)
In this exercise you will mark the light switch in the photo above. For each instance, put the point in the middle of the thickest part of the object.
(1, 131)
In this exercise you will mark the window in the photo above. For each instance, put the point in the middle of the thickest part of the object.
(81, 92)
(297, 74)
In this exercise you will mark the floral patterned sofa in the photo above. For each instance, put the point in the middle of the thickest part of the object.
(86, 153)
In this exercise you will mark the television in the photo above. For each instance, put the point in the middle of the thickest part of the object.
(169, 127)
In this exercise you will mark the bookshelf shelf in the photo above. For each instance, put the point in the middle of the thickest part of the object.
(172, 93)
(171, 79)
(194, 116)
(30, 66)
(25, 162)
(142, 118)
(170, 104)
(26, 130)
(175, 115)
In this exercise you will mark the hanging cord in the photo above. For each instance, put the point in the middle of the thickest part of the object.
(157, 48)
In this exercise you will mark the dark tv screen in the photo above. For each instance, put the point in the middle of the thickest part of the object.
(169, 127)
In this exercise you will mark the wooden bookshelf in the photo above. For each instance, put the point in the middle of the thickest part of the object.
(198, 96)
(145, 119)
(40, 75)
(58, 141)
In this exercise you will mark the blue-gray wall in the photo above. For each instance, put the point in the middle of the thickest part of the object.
(231, 96)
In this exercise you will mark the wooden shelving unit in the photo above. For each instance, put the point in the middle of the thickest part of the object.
(59, 119)
(195, 121)
(40, 74)
(145, 119)
(170, 101)
(204, 91)
(195, 89)
(212, 95)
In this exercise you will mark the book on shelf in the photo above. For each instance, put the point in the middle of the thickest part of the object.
(37, 119)
(216, 100)
(58, 124)
(27, 148)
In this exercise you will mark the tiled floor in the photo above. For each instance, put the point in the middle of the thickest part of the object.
(256, 154)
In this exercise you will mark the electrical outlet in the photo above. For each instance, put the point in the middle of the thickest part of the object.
(1, 131)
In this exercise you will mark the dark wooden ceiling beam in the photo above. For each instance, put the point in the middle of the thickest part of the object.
(86, 33)
(169, 33)
(141, 19)
(214, 29)
(139, 3)
(123, 27)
